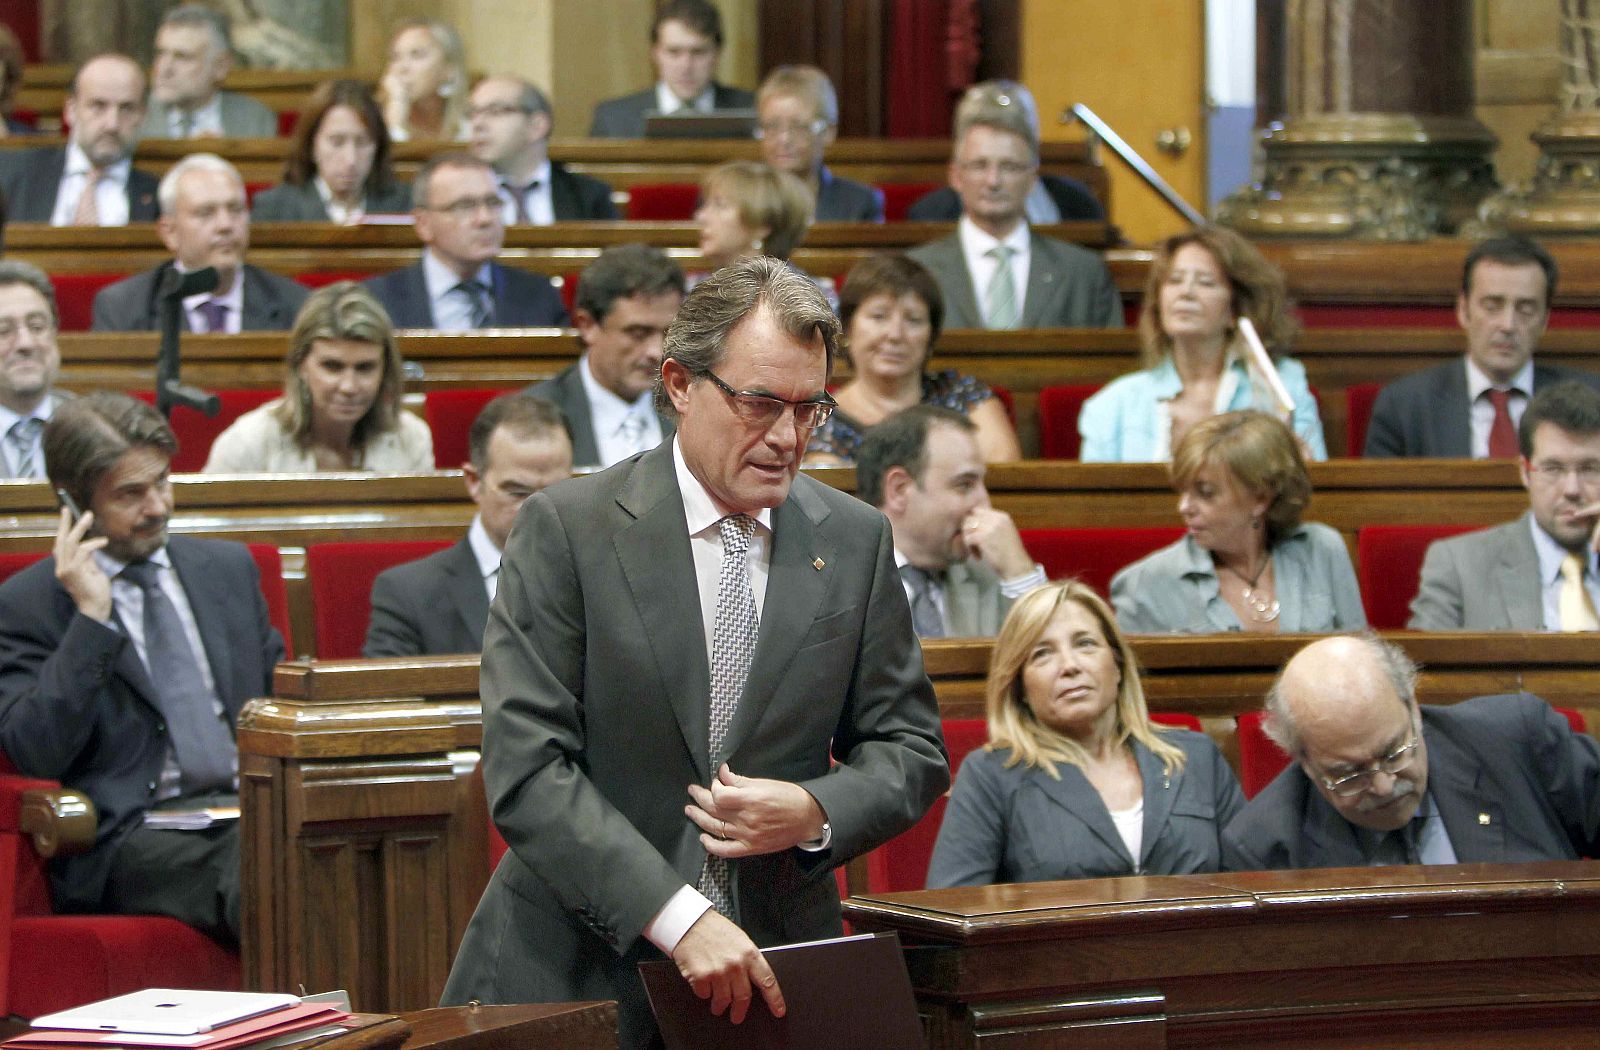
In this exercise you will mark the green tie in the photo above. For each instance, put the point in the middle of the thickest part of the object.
(1000, 301)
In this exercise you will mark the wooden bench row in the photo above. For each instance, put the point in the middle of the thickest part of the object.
(360, 793)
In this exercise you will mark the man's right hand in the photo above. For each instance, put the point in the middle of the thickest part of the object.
(722, 963)
(76, 569)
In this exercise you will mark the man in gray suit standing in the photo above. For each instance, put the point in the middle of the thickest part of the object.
(1379, 779)
(961, 561)
(994, 271)
(681, 647)
(685, 43)
(1538, 573)
(194, 53)
(626, 299)
(438, 604)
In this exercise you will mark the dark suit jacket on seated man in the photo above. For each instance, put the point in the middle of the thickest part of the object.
(1379, 779)
(438, 604)
(124, 660)
(685, 43)
(510, 121)
(626, 299)
(797, 114)
(457, 286)
(105, 102)
(679, 646)
(1470, 408)
(1542, 571)
(205, 222)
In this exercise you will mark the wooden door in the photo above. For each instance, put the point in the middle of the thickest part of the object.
(1140, 65)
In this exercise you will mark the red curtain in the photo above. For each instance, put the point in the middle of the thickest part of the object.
(933, 56)
(22, 18)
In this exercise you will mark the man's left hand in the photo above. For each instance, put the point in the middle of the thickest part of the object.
(992, 536)
(747, 816)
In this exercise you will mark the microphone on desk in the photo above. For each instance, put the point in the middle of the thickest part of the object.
(170, 389)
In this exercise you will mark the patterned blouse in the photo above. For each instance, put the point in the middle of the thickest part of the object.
(841, 435)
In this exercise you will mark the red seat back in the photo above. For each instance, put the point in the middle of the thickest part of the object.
(1058, 419)
(1358, 401)
(1004, 396)
(317, 279)
(898, 197)
(1094, 555)
(1259, 758)
(196, 431)
(663, 201)
(1178, 719)
(902, 862)
(341, 577)
(269, 563)
(450, 412)
(1389, 567)
(75, 294)
(13, 562)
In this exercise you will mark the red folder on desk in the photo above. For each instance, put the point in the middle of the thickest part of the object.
(240, 1033)
(841, 993)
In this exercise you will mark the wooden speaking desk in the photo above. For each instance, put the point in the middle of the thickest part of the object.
(364, 840)
(1481, 955)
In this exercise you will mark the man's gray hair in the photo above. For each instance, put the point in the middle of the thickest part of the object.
(15, 271)
(1399, 668)
(423, 181)
(167, 192)
(698, 337)
(1001, 104)
(202, 17)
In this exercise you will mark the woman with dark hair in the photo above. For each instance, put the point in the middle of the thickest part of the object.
(338, 167)
(340, 408)
(1076, 781)
(1248, 562)
(891, 310)
(1201, 283)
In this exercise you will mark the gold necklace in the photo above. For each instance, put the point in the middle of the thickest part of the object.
(1262, 610)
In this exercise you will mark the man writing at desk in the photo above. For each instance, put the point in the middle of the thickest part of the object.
(677, 646)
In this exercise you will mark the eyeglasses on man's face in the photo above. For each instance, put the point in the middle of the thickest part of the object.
(1392, 764)
(497, 109)
(763, 410)
(469, 206)
(778, 128)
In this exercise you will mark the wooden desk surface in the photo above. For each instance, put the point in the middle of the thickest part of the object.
(530, 1026)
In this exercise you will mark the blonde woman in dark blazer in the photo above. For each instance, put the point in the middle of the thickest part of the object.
(1076, 781)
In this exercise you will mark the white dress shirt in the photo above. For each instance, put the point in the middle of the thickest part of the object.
(207, 120)
(110, 193)
(487, 553)
(668, 103)
(1478, 384)
(337, 211)
(452, 310)
(540, 205)
(608, 412)
(974, 246)
(233, 299)
(9, 419)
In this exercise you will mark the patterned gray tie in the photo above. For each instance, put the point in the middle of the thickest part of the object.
(1000, 300)
(926, 619)
(207, 757)
(477, 294)
(631, 431)
(733, 643)
(24, 440)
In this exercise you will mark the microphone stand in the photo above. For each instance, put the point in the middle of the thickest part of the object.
(170, 390)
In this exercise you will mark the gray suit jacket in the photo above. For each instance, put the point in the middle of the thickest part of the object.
(1481, 581)
(242, 118)
(595, 684)
(429, 607)
(288, 203)
(623, 118)
(1019, 825)
(1427, 413)
(565, 391)
(1068, 286)
(1511, 779)
(270, 302)
(30, 179)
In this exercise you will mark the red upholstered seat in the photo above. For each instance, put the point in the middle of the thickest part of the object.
(53, 962)
(322, 280)
(1176, 718)
(902, 862)
(662, 201)
(1358, 401)
(13, 562)
(1094, 555)
(1003, 393)
(1389, 567)
(75, 294)
(341, 588)
(898, 197)
(1259, 758)
(287, 119)
(450, 412)
(1058, 419)
(196, 431)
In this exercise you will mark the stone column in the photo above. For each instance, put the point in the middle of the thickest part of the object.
(1374, 135)
(1564, 199)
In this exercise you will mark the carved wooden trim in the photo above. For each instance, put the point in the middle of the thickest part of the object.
(60, 821)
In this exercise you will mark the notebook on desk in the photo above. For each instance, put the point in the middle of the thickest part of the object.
(167, 1011)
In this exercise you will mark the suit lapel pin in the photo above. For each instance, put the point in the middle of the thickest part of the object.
(817, 563)
(1484, 820)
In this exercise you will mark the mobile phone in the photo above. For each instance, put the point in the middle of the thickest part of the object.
(65, 499)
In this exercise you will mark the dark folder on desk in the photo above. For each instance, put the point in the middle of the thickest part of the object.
(841, 993)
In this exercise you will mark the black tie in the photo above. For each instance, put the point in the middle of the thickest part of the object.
(925, 616)
(207, 758)
(477, 293)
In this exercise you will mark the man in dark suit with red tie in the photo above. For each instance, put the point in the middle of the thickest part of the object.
(1470, 408)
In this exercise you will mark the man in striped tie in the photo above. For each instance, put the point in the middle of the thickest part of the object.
(700, 683)
(29, 364)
